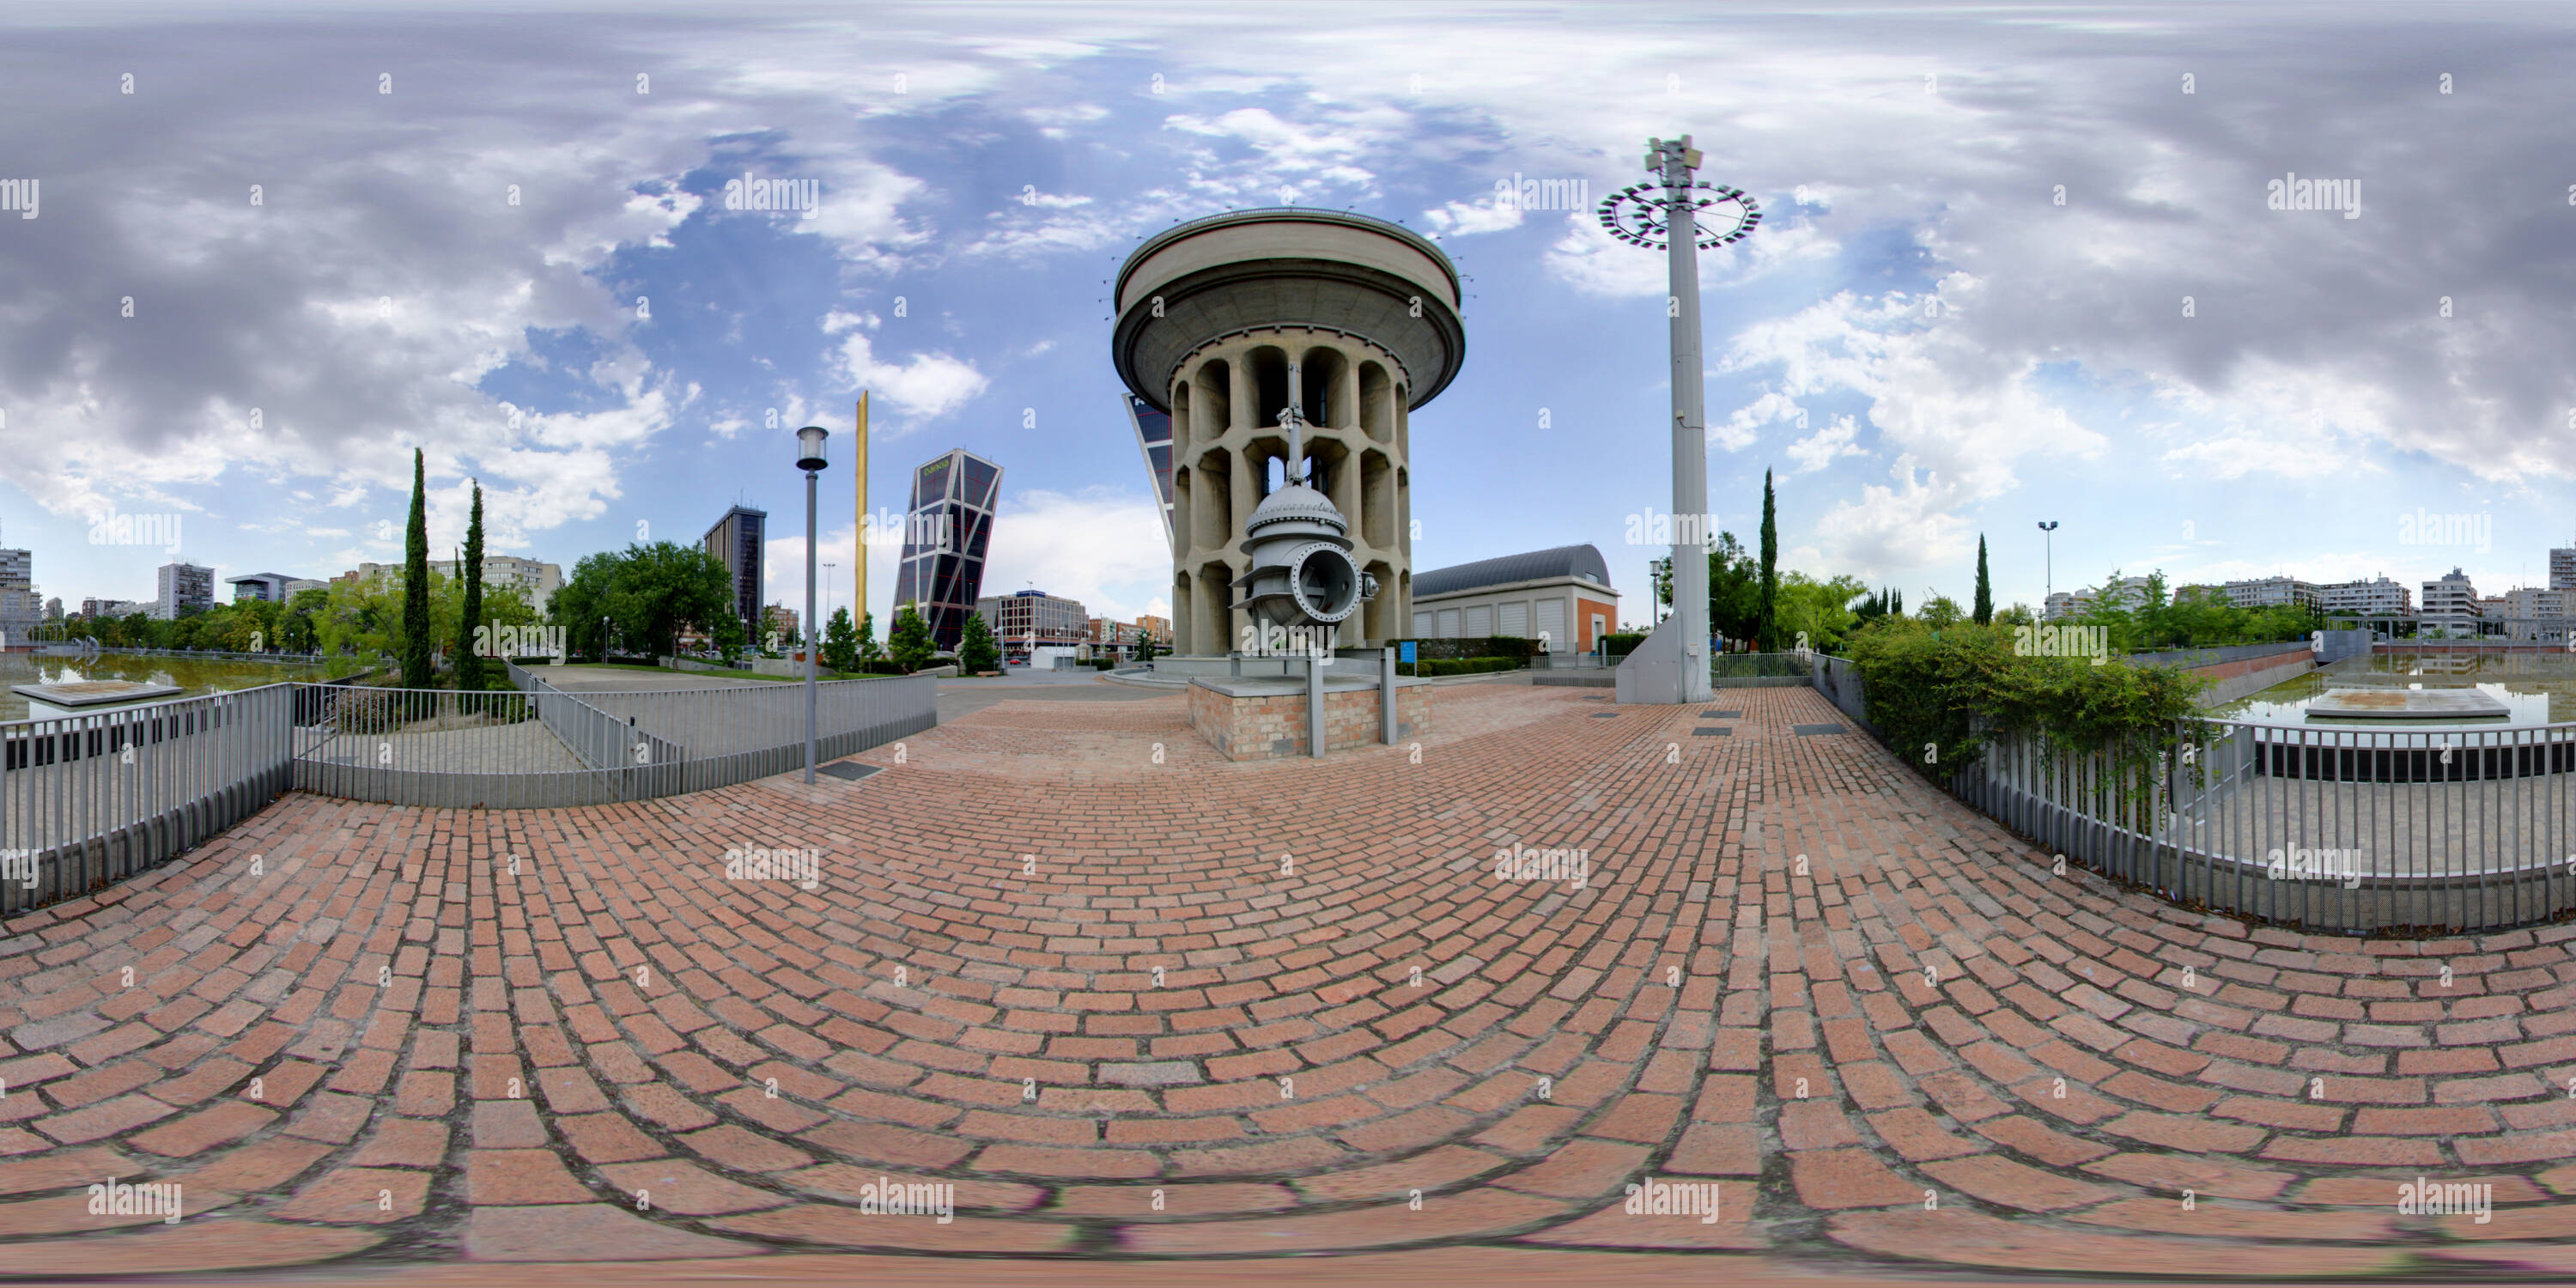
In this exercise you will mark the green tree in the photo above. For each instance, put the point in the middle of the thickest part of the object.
(1819, 611)
(469, 615)
(976, 651)
(1941, 612)
(868, 650)
(841, 642)
(910, 642)
(1984, 609)
(1768, 629)
(1734, 589)
(416, 630)
(647, 594)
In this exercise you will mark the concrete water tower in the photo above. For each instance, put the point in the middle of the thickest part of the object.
(1214, 316)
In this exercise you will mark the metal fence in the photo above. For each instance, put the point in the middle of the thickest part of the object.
(88, 800)
(2326, 829)
(1783, 668)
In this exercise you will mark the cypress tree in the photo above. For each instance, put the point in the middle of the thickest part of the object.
(416, 669)
(1984, 610)
(469, 664)
(1769, 632)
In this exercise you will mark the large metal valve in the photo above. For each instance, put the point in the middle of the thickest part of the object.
(1302, 574)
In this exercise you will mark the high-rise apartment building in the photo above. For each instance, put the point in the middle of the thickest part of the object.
(185, 588)
(20, 612)
(2451, 605)
(2274, 592)
(2378, 597)
(538, 581)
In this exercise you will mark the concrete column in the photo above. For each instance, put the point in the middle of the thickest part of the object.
(1240, 386)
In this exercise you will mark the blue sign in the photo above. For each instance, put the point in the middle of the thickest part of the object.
(1406, 655)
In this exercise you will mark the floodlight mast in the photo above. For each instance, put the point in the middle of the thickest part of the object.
(1670, 221)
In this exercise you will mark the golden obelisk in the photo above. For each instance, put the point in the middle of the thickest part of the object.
(861, 469)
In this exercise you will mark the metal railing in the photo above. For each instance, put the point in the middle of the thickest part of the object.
(2331, 829)
(1760, 666)
(89, 800)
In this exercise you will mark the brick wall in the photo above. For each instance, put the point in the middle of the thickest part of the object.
(1274, 725)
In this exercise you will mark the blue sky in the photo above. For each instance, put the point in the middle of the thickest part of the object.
(1922, 340)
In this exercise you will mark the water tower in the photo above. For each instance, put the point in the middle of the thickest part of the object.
(1216, 319)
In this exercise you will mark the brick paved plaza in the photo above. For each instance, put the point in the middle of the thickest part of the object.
(1133, 1001)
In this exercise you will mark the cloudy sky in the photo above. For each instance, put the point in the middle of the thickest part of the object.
(2017, 264)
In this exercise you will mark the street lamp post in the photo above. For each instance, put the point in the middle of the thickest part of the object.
(809, 458)
(2049, 549)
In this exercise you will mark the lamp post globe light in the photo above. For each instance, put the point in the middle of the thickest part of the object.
(809, 458)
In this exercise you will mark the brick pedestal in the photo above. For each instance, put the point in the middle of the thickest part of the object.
(1266, 719)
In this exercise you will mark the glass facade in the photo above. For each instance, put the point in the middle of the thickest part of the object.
(947, 530)
(1154, 435)
(738, 540)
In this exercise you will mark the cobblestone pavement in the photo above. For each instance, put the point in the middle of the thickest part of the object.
(1130, 1004)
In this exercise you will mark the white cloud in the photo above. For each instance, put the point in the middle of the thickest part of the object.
(927, 386)
(1818, 450)
(1102, 546)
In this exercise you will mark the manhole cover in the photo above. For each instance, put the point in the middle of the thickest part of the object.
(1816, 728)
(851, 770)
(1714, 733)
(1605, 715)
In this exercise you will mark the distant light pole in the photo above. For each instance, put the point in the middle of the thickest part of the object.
(2048, 544)
(809, 458)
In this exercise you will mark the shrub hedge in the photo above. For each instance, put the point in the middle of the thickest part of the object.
(1473, 646)
(1954, 689)
(1622, 645)
(1470, 665)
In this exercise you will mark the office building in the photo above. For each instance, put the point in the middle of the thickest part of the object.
(738, 540)
(1033, 617)
(185, 588)
(2562, 568)
(102, 609)
(273, 587)
(1154, 436)
(947, 530)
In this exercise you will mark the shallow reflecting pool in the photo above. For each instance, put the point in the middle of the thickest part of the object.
(2536, 689)
(192, 675)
